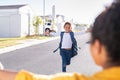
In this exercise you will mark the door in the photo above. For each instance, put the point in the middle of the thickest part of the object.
(4, 26)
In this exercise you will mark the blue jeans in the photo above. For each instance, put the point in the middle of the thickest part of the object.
(66, 58)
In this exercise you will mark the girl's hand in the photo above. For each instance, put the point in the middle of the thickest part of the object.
(1, 66)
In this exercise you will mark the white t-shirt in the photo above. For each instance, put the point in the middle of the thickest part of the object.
(66, 41)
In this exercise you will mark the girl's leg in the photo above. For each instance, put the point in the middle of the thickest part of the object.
(63, 56)
(68, 58)
(63, 64)
(63, 68)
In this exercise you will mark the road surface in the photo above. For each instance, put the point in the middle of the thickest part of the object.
(40, 58)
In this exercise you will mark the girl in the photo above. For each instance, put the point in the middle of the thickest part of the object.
(68, 46)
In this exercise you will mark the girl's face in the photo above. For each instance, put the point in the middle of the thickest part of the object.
(67, 28)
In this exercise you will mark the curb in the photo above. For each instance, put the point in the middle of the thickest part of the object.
(26, 44)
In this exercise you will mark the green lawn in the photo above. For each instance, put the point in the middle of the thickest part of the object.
(5, 42)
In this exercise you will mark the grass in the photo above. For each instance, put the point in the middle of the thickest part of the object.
(6, 42)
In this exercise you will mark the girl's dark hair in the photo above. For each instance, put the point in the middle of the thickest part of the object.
(67, 23)
(106, 29)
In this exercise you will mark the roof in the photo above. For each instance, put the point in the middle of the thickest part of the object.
(12, 6)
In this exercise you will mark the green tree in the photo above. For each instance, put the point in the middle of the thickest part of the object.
(36, 23)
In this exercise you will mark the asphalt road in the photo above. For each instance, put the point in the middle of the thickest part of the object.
(40, 58)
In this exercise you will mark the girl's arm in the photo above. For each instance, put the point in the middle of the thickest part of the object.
(25, 75)
(7, 75)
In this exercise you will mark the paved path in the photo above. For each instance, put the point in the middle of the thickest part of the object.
(25, 43)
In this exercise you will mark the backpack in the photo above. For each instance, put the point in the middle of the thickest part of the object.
(74, 45)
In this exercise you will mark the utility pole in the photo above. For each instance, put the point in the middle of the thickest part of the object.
(28, 23)
(53, 17)
(43, 17)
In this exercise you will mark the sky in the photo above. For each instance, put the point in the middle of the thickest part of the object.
(81, 11)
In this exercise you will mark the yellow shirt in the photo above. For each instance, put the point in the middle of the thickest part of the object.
(107, 74)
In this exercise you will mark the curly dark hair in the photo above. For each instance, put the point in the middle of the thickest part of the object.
(106, 29)
(67, 23)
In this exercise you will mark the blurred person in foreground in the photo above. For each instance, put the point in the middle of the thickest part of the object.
(105, 50)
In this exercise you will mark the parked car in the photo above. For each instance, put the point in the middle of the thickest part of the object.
(48, 28)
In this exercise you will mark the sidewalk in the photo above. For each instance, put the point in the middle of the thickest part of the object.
(25, 43)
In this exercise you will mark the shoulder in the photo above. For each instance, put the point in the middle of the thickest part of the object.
(72, 76)
(72, 33)
(61, 34)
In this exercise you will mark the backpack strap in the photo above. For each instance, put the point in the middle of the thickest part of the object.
(72, 38)
(74, 45)
(61, 37)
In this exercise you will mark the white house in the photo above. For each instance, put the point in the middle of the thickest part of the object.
(15, 20)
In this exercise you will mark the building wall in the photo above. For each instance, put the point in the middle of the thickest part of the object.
(8, 12)
(26, 21)
(24, 24)
(4, 26)
(10, 26)
(15, 22)
(15, 25)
